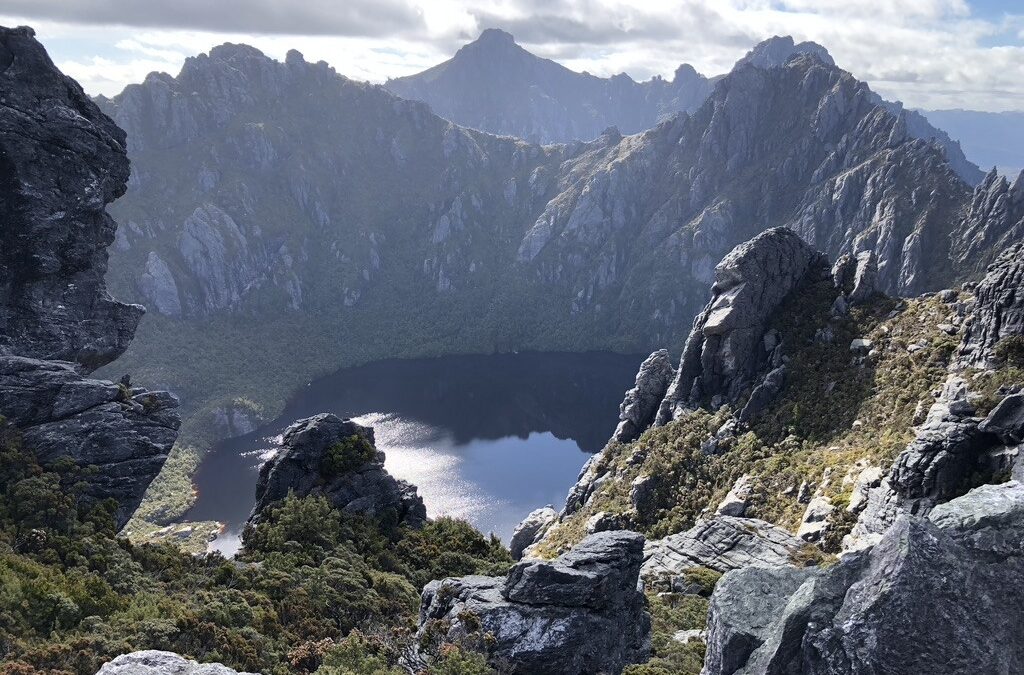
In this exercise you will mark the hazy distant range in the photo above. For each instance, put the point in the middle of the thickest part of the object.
(988, 139)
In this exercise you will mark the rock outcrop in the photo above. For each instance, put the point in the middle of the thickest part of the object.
(640, 405)
(998, 312)
(530, 530)
(867, 614)
(949, 448)
(125, 434)
(721, 543)
(326, 455)
(723, 355)
(61, 162)
(153, 662)
(578, 614)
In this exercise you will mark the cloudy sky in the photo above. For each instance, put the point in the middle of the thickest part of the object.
(927, 53)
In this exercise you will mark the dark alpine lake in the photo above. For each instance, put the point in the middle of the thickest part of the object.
(485, 438)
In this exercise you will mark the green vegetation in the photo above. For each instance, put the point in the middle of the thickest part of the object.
(168, 499)
(670, 613)
(1011, 351)
(311, 587)
(346, 455)
(836, 410)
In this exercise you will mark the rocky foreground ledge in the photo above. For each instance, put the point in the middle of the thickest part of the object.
(581, 613)
(154, 662)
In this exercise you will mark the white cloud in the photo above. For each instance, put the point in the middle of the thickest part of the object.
(928, 53)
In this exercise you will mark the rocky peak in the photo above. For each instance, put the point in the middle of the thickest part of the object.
(776, 51)
(994, 221)
(639, 407)
(492, 37)
(495, 85)
(326, 455)
(61, 162)
(724, 353)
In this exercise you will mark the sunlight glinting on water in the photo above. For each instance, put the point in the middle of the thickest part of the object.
(423, 455)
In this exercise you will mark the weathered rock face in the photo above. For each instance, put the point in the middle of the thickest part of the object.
(999, 308)
(723, 354)
(303, 466)
(993, 223)
(578, 614)
(153, 662)
(721, 543)
(125, 434)
(61, 162)
(530, 529)
(639, 407)
(948, 448)
(867, 614)
(742, 614)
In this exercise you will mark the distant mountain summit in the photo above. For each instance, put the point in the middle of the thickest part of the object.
(494, 85)
(776, 50)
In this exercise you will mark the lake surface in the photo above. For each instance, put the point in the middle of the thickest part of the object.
(485, 438)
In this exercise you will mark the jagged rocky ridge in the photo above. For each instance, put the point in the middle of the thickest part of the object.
(494, 85)
(61, 162)
(915, 533)
(254, 181)
(994, 221)
(321, 455)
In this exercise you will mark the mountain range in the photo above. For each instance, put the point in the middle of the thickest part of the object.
(494, 85)
(990, 139)
(282, 205)
(827, 479)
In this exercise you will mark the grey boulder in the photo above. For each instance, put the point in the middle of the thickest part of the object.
(530, 529)
(721, 543)
(935, 595)
(1006, 420)
(579, 614)
(153, 662)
